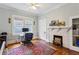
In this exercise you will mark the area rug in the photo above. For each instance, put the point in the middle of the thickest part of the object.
(39, 47)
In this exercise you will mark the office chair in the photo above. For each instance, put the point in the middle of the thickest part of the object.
(28, 38)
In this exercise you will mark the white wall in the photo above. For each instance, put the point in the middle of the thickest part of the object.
(6, 13)
(62, 13)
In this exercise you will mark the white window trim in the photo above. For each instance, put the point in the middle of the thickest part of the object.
(21, 17)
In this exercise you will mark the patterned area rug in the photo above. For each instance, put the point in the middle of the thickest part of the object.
(38, 48)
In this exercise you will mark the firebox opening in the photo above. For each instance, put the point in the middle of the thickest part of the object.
(58, 40)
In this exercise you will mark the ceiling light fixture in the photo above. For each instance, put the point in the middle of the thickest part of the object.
(35, 6)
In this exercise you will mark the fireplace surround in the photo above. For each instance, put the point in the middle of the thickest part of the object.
(58, 40)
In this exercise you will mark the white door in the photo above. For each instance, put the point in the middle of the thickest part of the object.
(42, 29)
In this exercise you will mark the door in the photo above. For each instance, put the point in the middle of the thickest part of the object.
(42, 29)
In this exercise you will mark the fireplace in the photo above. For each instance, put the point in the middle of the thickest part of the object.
(57, 40)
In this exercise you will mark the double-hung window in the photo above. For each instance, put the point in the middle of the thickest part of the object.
(18, 23)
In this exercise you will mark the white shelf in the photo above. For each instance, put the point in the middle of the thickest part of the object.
(59, 27)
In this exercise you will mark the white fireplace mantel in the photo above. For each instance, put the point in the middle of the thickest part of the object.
(60, 27)
(62, 31)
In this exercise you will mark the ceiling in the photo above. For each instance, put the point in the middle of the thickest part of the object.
(41, 9)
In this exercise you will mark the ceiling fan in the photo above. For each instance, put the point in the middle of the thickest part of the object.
(35, 5)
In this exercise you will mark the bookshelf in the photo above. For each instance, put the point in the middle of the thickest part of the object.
(75, 31)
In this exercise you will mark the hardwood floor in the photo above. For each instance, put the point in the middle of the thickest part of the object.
(60, 50)
(64, 51)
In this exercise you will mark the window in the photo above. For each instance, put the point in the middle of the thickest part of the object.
(19, 23)
(17, 27)
(29, 24)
